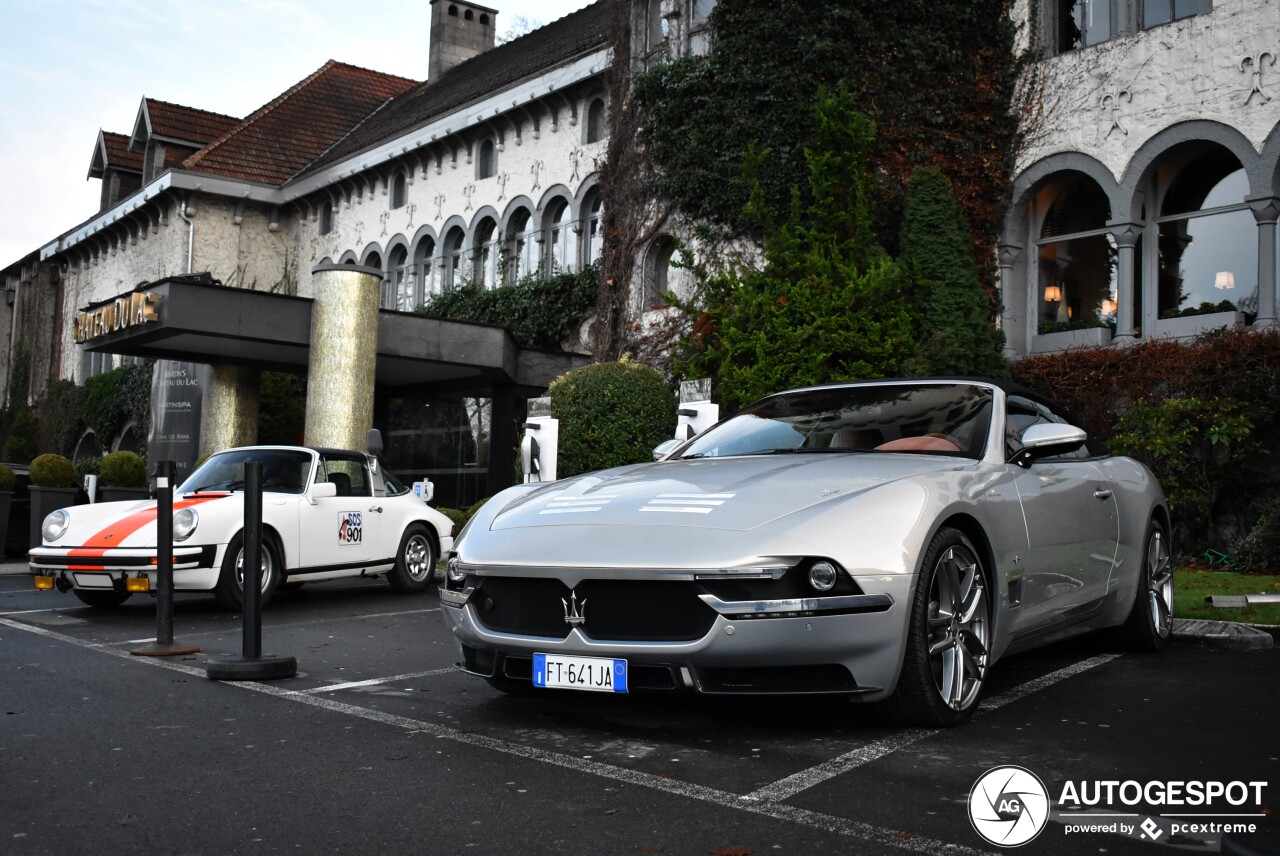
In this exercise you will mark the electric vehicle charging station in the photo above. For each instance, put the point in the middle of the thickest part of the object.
(539, 446)
(697, 412)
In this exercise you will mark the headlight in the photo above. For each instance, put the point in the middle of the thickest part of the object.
(185, 521)
(55, 525)
(823, 576)
(456, 574)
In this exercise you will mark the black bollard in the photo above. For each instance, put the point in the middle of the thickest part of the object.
(252, 665)
(164, 646)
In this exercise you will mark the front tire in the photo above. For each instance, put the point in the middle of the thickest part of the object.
(1149, 626)
(229, 591)
(415, 561)
(945, 660)
(101, 598)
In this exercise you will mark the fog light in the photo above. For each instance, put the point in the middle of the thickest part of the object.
(823, 576)
(134, 584)
(44, 583)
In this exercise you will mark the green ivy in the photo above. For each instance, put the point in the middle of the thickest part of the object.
(114, 399)
(539, 312)
(62, 417)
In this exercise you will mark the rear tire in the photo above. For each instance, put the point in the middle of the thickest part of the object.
(945, 660)
(415, 561)
(229, 591)
(1149, 626)
(101, 598)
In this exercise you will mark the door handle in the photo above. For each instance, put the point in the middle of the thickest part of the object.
(1103, 493)
(377, 508)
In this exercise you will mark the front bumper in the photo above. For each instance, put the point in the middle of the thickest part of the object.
(850, 645)
(195, 567)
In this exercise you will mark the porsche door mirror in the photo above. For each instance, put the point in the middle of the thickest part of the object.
(1046, 439)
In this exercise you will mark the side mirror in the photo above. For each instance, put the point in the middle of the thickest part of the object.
(666, 447)
(1046, 439)
(319, 490)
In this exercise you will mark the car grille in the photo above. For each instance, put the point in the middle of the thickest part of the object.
(613, 610)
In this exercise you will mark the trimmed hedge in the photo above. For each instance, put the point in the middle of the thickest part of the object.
(53, 471)
(123, 469)
(611, 414)
(1203, 414)
(7, 478)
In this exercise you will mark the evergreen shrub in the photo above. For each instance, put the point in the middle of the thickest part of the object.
(611, 414)
(123, 469)
(7, 478)
(53, 470)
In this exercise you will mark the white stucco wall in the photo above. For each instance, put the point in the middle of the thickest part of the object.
(1109, 99)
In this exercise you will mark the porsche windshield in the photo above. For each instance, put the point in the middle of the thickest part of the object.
(939, 419)
(283, 471)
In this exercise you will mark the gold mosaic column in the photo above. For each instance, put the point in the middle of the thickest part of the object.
(344, 351)
(229, 409)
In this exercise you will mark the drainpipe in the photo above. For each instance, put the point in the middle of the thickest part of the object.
(191, 233)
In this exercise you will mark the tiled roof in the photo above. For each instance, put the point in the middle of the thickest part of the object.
(280, 138)
(185, 123)
(573, 35)
(112, 150)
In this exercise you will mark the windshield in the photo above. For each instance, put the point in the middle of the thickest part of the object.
(939, 419)
(283, 471)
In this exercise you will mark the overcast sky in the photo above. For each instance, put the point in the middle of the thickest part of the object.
(72, 67)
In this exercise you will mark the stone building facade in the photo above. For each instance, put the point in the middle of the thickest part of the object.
(1145, 200)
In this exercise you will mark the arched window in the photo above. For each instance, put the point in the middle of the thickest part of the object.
(452, 262)
(424, 266)
(399, 190)
(1207, 237)
(453, 11)
(1076, 257)
(560, 240)
(485, 258)
(399, 291)
(663, 276)
(487, 160)
(592, 233)
(326, 217)
(522, 243)
(596, 130)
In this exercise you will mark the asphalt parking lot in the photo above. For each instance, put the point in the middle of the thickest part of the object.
(380, 745)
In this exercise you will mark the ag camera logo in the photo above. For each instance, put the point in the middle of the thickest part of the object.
(1008, 806)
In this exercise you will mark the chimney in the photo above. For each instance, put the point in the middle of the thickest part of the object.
(459, 31)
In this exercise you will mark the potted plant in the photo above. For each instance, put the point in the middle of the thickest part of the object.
(123, 476)
(53, 486)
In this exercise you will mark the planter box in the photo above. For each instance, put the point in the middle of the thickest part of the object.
(116, 494)
(45, 500)
(1067, 340)
(1194, 325)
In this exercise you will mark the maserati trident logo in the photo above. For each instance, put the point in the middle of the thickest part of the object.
(575, 614)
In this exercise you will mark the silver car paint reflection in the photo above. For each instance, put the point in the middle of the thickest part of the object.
(1063, 541)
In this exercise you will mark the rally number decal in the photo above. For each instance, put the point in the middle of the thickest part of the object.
(350, 528)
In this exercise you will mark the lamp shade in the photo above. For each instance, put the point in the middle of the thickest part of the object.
(1053, 293)
(1224, 280)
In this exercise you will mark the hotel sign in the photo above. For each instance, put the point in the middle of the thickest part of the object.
(127, 310)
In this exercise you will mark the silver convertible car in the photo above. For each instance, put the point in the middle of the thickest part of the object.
(887, 541)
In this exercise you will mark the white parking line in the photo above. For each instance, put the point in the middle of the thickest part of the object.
(375, 681)
(879, 836)
(805, 779)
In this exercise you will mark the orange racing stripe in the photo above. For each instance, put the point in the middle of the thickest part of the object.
(96, 546)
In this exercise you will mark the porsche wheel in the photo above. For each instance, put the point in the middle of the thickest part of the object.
(1150, 623)
(415, 561)
(101, 598)
(945, 660)
(229, 591)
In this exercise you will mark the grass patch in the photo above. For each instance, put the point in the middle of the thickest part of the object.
(1191, 587)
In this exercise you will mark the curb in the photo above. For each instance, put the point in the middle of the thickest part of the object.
(1221, 634)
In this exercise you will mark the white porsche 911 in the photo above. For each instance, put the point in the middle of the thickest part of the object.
(326, 513)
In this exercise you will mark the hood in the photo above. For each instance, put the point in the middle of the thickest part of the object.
(714, 493)
(131, 523)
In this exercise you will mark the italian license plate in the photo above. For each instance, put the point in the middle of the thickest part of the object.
(597, 674)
